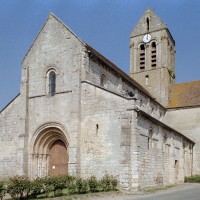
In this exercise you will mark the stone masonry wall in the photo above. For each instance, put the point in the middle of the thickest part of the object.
(151, 107)
(106, 132)
(187, 122)
(12, 134)
(164, 156)
(113, 82)
(107, 126)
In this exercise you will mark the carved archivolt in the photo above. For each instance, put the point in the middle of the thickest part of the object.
(41, 142)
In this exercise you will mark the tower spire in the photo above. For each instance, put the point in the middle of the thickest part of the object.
(150, 19)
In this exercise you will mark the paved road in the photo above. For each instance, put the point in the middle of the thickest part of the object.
(181, 192)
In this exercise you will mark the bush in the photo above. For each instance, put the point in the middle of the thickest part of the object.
(57, 184)
(2, 190)
(72, 187)
(192, 179)
(105, 183)
(114, 183)
(38, 186)
(67, 180)
(93, 184)
(82, 186)
(19, 187)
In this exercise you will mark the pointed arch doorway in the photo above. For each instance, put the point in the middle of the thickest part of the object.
(49, 155)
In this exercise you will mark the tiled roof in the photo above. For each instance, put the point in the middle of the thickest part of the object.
(185, 95)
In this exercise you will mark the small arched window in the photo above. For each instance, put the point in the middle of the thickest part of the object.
(153, 54)
(52, 83)
(142, 56)
(147, 79)
(103, 80)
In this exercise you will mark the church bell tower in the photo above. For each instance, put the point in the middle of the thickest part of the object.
(152, 56)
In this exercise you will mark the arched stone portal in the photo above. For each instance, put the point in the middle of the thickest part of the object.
(49, 152)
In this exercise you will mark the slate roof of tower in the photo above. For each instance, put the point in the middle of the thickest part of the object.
(155, 24)
(185, 95)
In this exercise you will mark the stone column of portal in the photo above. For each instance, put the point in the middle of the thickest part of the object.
(33, 166)
(31, 157)
(46, 165)
(36, 166)
(40, 165)
(43, 165)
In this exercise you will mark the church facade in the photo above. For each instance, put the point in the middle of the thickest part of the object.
(77, 113)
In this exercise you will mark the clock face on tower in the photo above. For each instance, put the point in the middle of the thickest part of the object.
(147, 38)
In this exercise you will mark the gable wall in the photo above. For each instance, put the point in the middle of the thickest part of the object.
(55, 47)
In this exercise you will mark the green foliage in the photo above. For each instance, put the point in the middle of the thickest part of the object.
(56, 185)
(39, 186)
(21, 187)
(114, 183)
(67, 180)
(192, 179)
(93, 184)
(82, 186)
(105, 183)
(2, 190)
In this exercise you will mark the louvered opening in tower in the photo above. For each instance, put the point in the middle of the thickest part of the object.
(142, 56)
(153, 55)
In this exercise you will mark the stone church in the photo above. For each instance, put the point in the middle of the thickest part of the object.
(78, 113)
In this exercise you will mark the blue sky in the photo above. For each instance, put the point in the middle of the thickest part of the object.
(103, 24)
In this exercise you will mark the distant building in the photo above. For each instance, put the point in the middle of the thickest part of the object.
(77, 113)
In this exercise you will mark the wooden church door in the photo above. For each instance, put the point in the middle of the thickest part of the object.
(58, 159)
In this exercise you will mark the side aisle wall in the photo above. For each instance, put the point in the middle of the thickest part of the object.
(12, 134)
(187, 122)
(165, 157)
